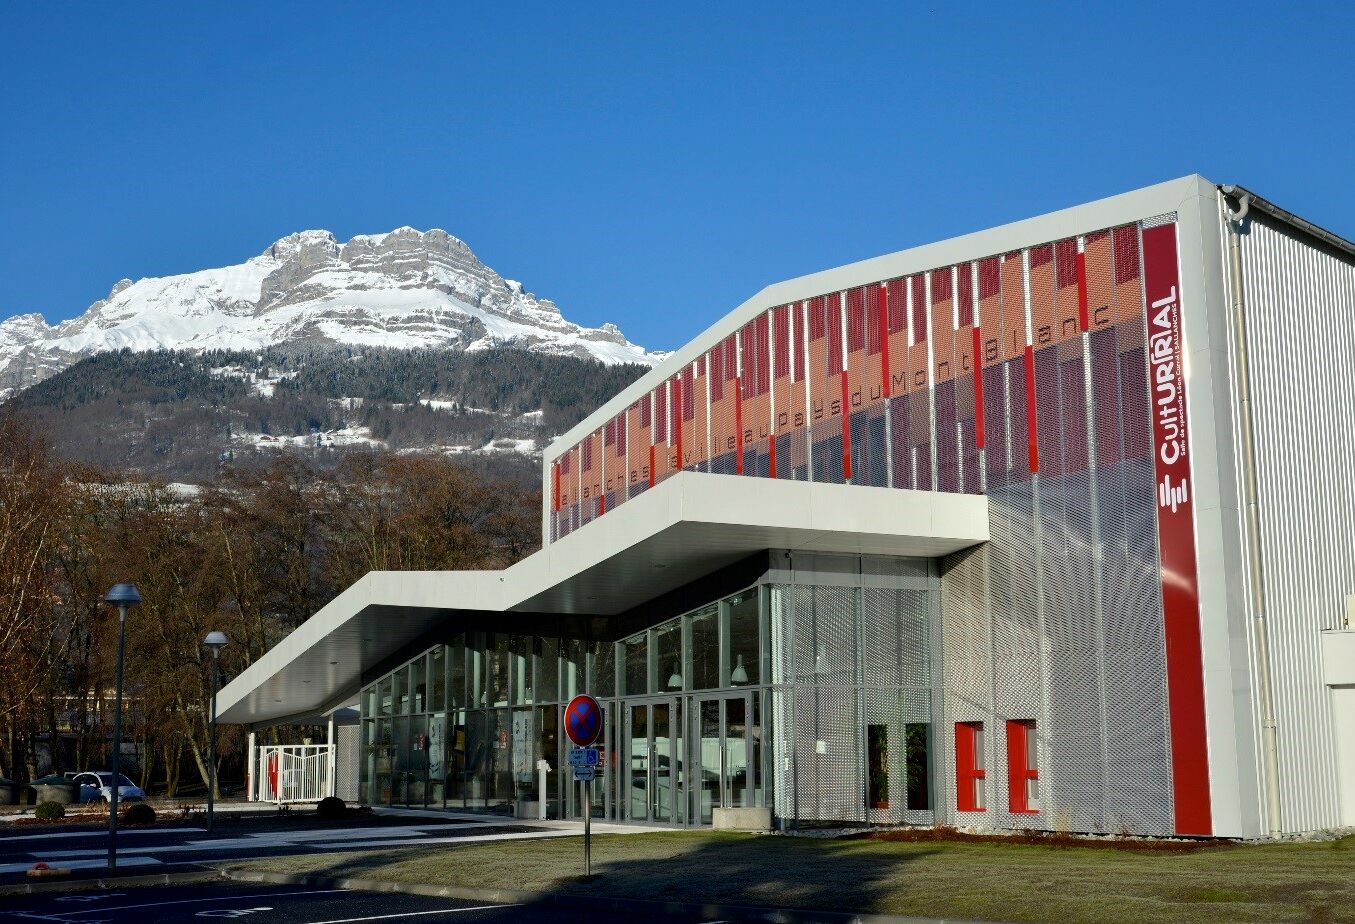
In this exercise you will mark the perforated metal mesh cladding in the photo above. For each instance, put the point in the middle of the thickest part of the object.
(1072, 562)
(966, 672)
(347, 762)
(844, 659)
(830, 773)
(895, 639)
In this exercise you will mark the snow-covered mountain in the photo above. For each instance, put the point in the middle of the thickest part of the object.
(403, 289)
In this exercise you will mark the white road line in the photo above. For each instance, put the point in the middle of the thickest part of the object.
(103, 909)
(240, 843)
(81, 864)
(413, 914)
(260, 842)
(121, 833)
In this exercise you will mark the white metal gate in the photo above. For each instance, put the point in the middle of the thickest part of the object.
(293, 773)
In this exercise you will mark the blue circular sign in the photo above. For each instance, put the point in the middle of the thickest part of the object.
(583, 720)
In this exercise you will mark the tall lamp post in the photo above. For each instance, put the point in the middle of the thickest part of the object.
(215, 641)
(124, 597)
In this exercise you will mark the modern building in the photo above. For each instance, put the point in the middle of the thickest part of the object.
(1049, 526)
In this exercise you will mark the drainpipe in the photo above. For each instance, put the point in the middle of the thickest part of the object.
(1269, 745)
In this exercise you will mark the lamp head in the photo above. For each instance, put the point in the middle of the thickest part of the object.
(216, 640)
(123, 595)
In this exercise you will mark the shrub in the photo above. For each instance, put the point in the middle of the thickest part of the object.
(50, 811)
(331, 807)
(139, 813)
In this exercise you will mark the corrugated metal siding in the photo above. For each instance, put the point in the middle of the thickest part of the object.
(1299, 303)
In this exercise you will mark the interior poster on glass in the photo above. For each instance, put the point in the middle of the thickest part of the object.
(523, 766)
(435, 735)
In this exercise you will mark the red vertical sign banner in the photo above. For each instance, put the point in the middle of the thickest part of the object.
(1176, 534)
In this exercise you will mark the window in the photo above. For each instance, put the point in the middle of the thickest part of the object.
(572, 675)
(917, 764)
(969, 772)
(496, 647)
(1023, 773)
(400, 690)
(548, 680)
(877, 761)
(457, 691)
(521, 668)
(602, 669)
(743, 646)
(705, 649)
(417, 687)
(637, 664)
(437, 679)
(668, 656)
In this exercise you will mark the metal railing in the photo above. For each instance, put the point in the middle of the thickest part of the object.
(293, 773)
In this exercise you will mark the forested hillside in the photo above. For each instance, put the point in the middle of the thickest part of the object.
(253, 554)
(183, 416)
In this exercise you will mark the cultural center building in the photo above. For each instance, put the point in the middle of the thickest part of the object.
(1049, 526)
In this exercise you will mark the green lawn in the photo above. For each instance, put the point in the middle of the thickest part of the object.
(987, 881)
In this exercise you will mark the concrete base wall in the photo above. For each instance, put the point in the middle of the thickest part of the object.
(742, 819)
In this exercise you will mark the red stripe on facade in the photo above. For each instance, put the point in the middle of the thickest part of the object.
(738, 426)
(978, 391)
(651, 465)
(677, 419)
(846, 429)
(555, 485)
(1031, 436)
(771, 456)
(1082, 315)
(884, 341)
(1176, 535)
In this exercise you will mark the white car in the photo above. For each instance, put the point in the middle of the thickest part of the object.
(98, 787)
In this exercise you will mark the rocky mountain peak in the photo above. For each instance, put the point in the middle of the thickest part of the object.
(405, 289)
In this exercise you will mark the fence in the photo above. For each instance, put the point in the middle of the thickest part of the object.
(293, 773)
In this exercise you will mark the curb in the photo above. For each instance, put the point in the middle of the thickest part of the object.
(630, 907)
(111, 882)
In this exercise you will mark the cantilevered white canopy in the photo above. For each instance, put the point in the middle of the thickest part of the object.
(685, 528)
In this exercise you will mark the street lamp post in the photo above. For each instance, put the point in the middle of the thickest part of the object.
(215, 641)
(124, 597)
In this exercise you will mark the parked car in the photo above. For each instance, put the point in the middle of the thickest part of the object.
(97, 786)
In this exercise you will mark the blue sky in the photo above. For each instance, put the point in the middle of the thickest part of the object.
(648, 167)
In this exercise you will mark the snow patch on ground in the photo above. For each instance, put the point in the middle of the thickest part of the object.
(262, 384)
(323, 439)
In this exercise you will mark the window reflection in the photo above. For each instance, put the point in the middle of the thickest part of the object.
(668, 656)
(637, 664)
(706, 649)
(744, 650)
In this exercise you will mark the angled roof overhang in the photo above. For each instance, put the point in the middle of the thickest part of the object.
(686, 528)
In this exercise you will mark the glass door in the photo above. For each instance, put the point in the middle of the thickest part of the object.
(648, 761)
(637, 785)
(722, 746)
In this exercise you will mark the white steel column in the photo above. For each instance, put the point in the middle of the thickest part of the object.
(333, 776)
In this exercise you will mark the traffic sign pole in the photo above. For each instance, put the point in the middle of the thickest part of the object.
(583, 726)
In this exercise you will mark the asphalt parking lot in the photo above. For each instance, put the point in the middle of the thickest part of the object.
(256, 904)
(151, 850)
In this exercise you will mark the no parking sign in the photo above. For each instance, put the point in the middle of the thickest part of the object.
(583, 720)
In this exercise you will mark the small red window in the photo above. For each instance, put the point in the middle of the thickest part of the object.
(1023, 768)
(969, 772)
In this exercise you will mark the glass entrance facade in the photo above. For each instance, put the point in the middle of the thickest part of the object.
(758, 698)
